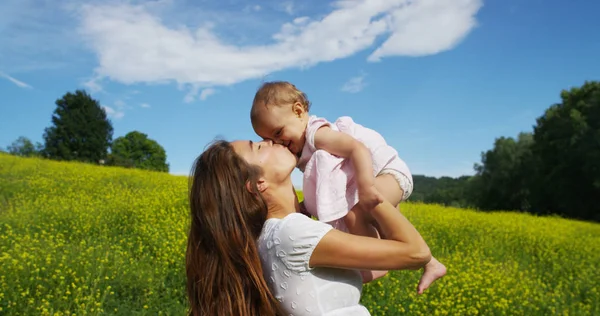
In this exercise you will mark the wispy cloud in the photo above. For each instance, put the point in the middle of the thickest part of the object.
(288, 7)
(120, 103)
(39, 35)
(355, 84)
(254, 8)
(145, 105)
(135, 44)
(196, 92)
(19, 83)
(92, 85)
(113, 113)
(192, 94)
(206, 93)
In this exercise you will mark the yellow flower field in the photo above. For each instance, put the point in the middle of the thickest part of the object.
(77, 239)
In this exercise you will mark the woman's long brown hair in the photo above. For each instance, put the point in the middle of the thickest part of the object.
(224, 271)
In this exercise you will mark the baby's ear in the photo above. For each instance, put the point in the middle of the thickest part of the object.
(298, 109)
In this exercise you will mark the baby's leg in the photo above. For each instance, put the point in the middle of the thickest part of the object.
(357, 225)
(389, 187)
(361, 222)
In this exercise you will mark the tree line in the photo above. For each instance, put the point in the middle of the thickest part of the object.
(81, 131)
(553, 170)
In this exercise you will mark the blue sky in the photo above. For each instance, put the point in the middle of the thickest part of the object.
(440, 80)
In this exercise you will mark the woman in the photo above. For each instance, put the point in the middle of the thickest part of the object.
(250, 252)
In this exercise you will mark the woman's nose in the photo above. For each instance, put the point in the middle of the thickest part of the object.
(268, 142)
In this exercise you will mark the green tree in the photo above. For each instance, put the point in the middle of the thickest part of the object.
(445, 190)
(505, 175)
(80, 130)
(567, 145)
(23, 146)
(136, 150)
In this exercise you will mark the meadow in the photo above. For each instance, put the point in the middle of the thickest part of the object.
(78, 239)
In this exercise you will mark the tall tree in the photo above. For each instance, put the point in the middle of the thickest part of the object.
(136, 150)
(23, 146)
(567, 144)
(504, 176)
(80, 130)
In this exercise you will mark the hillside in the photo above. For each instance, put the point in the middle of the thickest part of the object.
(81, 239)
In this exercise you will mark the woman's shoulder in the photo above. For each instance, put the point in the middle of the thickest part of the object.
(292, 239)
(297, 228)
(294, 221)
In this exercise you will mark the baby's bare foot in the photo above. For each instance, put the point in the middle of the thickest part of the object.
(432, 271)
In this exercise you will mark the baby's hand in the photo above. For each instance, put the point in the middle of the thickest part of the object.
(369, 197)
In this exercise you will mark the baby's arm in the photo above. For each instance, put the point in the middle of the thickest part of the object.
(343, 145)
(346, 146)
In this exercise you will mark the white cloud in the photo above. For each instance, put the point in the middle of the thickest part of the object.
(17, 82)
(196, 93)
(288, 7)
(191, 95)
(206, 93)
(112, 113)
(37, 34)
(355, 84)
(135, 46)
(428, 27)
(92, 85)
(145, 105)
(254, 8)
(120, 104)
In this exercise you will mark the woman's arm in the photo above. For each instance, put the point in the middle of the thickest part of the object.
(404, 248)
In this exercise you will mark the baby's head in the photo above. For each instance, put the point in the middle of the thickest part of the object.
(280, 113)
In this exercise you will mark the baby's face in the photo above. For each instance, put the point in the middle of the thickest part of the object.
(283, 125)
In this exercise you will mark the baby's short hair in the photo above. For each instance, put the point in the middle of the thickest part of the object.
(277, 93)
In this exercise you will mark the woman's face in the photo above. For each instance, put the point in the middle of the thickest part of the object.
(276, 160)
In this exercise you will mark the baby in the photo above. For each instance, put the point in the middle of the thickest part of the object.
(344, 164)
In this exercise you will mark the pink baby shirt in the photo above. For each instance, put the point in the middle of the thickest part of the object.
(329, 187)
